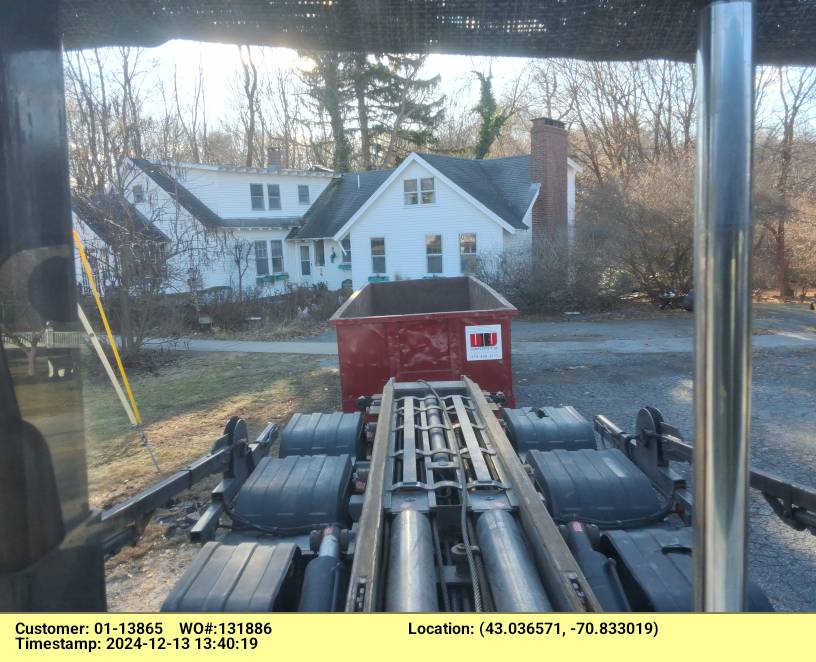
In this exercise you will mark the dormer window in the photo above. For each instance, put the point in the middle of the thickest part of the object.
(256, 196)
(303, 194)
(416, 191)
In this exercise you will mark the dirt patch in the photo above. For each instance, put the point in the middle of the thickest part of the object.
(185, 402)
(140, 576)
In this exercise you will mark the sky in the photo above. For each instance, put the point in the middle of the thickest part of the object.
(221, 65)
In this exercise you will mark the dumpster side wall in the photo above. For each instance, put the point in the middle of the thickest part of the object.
(405, 227)
(432, 347)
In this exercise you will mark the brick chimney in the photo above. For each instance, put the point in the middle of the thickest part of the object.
(274, 158)
(548, 160)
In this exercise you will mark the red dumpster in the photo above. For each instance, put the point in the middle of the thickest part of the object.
(434, 329)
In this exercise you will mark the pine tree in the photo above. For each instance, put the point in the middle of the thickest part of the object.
(408, 108)
(368, 75)
(396, 110)
(328, 85)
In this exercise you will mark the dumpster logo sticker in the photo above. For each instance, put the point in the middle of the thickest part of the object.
(484, 343)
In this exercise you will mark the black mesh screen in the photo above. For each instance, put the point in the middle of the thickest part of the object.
(587, 29)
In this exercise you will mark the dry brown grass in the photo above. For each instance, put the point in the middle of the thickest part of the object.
(285, 330)
(185, 405)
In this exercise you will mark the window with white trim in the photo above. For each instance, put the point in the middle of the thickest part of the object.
(416, 191)
(320, 253)
(261, 258)
(256, 196)
(273, 193)
(345, 244)
(433, 252)
(276, 255)
(138, 194)
(427, 190)
(378, 255)
(303, 194)
(305, 260)
(468, 261)
(409, 189)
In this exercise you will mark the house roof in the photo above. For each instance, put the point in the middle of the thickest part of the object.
(587, 29)
(314, 171)
(113, 218)
(199, 210)
(181, 194)
(272, 223)
(502, 185)
(339, 201)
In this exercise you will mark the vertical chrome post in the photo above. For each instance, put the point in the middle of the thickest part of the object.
(723, 302)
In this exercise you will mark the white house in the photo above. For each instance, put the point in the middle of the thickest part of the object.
(430, 216)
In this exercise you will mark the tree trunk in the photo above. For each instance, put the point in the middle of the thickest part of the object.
(31, 355)
(782, 275)
(240, 284)
(362, 111)
(342, 147)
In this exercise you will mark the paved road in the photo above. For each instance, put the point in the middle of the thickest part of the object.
(250, 346)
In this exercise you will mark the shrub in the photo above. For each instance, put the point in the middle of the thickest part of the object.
(549, 280)
(644, 225)
(304, 304)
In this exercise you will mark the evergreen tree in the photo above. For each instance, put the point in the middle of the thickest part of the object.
(409, 108)
(328, 85)
(396, 109)
(368, 76)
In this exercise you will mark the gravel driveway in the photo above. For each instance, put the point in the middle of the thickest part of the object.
(603, 368)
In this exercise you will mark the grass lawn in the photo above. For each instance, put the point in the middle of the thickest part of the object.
(185, 402)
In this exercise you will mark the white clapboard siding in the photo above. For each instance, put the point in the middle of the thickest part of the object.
(405, 227)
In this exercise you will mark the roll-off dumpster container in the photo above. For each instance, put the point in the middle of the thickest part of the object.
(435, 329)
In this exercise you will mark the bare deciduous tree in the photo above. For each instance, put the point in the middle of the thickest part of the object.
(249, 107)
(240, 253)
(797, 92)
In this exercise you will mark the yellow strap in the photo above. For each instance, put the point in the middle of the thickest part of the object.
(104, 317)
